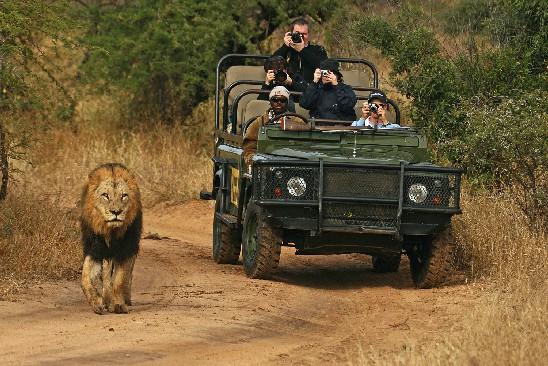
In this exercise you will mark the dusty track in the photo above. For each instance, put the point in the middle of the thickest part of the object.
(189, 310)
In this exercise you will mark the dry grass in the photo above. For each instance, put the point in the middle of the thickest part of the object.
(509, 324)
(39, 234)
(38, 240)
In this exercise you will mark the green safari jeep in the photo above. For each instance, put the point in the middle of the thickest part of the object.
(330, 189)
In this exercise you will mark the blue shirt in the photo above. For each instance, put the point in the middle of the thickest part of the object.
(362, 122)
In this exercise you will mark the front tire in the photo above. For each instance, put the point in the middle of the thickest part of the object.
(226, 241)
(430, 260)
(261, 244)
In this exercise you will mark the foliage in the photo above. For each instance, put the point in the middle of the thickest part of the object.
(164, 53)
(498, 76)
(508, 141)
(27, 70)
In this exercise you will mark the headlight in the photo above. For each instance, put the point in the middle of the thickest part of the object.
(417, 193)
(296, 186)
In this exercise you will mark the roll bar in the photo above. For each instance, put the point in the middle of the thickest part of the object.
(226, 59)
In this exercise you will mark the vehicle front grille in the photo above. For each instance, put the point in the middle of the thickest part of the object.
(361, 182)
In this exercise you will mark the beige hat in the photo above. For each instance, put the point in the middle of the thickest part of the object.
(279, 90)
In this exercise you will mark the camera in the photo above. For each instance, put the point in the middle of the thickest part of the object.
(325, 72)
(296, 37)
(280, 76)
(373, 108)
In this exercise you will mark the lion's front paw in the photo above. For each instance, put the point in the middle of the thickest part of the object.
(99, 308)
(121, 309)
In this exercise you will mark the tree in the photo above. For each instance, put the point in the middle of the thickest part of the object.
(162, 54)
(25, 68)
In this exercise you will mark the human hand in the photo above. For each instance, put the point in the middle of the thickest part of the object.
(317, 75)
(332, 78)
(287, 39)
(288, 81)
(269, 77)
(365, 110)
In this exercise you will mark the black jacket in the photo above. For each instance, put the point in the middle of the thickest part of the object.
(328, 101)
(304, 62)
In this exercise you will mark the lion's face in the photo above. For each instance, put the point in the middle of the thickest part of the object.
(111, 199)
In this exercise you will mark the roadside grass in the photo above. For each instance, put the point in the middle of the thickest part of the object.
(39, 240)
(507, 267)
(39, 233)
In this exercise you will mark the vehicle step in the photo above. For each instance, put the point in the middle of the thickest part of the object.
(228, 219)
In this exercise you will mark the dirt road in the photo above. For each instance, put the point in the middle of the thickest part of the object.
(190, 311)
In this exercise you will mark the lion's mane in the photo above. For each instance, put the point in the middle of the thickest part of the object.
(99, 239)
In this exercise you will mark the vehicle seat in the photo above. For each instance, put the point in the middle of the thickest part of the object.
(357, 78)
(243, 72)
(300, 110)
(254, 108)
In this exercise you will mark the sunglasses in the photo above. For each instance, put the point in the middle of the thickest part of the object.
(278, 100)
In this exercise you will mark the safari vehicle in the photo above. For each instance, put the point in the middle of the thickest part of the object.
(329, 189)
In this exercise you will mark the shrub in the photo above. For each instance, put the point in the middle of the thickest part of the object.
(506, 143)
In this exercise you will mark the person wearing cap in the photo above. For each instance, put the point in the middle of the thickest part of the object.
(302, 57)
(374, 112)
(278, 97)
(328, 96)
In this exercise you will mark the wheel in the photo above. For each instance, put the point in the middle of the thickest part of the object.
(430, 260)
(261, 244)
(226, 241)
(386, 263)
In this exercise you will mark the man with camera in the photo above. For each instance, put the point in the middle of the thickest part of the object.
(302, 57)
(328, 96)
(374, 112)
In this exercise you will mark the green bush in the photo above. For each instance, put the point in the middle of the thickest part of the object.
(163, 54)
(506, 142)
(468, 102)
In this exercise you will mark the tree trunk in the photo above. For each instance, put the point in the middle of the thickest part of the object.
(3, 163)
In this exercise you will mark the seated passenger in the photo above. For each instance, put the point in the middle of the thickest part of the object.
(276, 75)
(328, 96)
(278, 97)
(374, 112)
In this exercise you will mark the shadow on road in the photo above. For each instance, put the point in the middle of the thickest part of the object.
(340, 273)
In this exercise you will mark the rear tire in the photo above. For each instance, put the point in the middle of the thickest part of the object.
(261, 244)
(226, 241)
(430, 260)
(386, 263)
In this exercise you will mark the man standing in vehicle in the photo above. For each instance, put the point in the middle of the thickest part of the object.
(302, 57)
(279, 97)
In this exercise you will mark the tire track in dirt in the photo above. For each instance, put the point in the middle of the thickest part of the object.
(189, 310)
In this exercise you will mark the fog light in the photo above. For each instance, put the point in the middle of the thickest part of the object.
(417, 193)
(296, 186)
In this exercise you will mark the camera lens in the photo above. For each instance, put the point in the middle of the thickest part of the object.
(280, 76)
(296, 37)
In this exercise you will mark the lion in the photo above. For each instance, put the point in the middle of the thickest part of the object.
(111, 222)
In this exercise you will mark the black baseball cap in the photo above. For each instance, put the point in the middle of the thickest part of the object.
(377, 95)
(330, 64)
